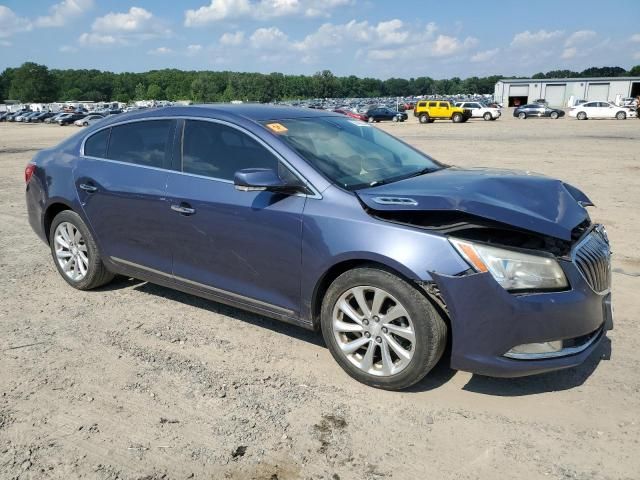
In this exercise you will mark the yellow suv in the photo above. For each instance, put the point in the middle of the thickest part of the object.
(428, 111)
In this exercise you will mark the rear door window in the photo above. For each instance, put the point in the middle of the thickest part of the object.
(433, 104)
(146, 143)
(218, 151)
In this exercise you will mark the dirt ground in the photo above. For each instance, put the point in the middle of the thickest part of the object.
(135, 381)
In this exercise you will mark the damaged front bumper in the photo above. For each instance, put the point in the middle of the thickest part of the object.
(492, 328)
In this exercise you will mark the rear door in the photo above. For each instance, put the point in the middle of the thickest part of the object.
(121, 182)
(242, 245)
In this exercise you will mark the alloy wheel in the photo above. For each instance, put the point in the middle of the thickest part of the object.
(71, 251)
(373, 331)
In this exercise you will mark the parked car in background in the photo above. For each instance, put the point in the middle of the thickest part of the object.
(429, 111)
(41, 117)
(69, 118)
(382, 113)
(55, 118)
(537, 110)
(478, 110)
(601, 110)
(349, 113)
(340, 228)
(84, 122)
(25, 114)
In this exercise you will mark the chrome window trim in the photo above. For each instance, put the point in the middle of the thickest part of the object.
(315, 195)
(215, 290)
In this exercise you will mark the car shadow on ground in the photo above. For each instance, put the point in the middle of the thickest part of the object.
(546, 382)
(439, 376)
(283, 328)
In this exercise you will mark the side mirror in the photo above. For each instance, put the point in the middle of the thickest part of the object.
(261, 179)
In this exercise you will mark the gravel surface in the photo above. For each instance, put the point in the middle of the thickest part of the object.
(136, 381)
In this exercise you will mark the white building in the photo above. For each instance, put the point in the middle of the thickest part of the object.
(557, 91)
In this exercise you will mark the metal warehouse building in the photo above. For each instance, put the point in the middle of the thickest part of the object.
(558, 91)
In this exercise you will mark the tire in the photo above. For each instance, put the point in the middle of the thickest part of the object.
(621, 116)
(522, 115)
(581, 116)
(424, 118)
(85, 124)
(96, 273)
(394, 119)
(370, 119)
(428, 328)
(487, 116)
(554, 115)
(457, 118)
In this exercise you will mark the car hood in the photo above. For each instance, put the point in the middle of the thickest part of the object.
(522, 199)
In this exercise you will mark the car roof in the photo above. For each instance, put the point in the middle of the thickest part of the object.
(250, 111)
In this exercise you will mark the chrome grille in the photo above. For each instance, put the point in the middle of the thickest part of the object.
(593, 258)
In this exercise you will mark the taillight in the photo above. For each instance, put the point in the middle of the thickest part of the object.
(28, 172)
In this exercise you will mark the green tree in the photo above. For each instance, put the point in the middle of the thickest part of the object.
(33, 83)
(635, 71)
(140, 92)
(154, 92)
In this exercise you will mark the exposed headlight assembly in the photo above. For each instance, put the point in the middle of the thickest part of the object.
(513, 270)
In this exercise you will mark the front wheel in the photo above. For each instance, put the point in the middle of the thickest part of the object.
(395, 119)
(424, 118)
(581, 116)
(487, 116)
(75, 252)
(370, 119)
(380, 329)
(522, 115)
(621, 116)
(554, 115)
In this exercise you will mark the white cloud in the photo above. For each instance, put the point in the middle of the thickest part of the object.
(98, 39)
(445, 46)
(125, 28)
(219, 10)
(232, 39)
(581, 36)
(160, 51)
(485, 56)
(68, 49)
(269, 38)
(528, 39)
(194, 49)
(11, 23)
(5, 43)
(635, 37)
(569, 53)
(62, 12)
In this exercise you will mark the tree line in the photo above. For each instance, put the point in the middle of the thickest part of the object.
(32, 82)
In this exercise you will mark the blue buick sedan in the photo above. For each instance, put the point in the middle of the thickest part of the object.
(331, 224)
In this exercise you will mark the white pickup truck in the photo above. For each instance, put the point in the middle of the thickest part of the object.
(479, 110)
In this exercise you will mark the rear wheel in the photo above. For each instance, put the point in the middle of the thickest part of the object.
(522, 115)
(370, 119)
(380, 329)
(487, 116)
(457, 118)
(75, 253)
(424, 118)
(581, 116)
(621, 116)
(554, 115)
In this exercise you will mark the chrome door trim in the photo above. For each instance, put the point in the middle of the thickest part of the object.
(202, 286)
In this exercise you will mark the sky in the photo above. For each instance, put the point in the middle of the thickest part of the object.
(376, 38)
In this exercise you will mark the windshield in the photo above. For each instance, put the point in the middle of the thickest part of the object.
(351, 153)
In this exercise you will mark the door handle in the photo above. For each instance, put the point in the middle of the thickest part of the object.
(88, 188)
(183, 209)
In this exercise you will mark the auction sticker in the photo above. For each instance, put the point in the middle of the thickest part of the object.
(277, 127)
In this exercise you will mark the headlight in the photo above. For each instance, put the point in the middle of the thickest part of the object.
(513, 270)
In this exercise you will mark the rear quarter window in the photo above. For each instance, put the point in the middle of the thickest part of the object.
(96, 144)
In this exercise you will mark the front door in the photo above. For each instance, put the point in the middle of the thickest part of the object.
(243, 245)
(121, 186)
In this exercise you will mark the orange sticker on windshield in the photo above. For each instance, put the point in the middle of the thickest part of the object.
(277, 127)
